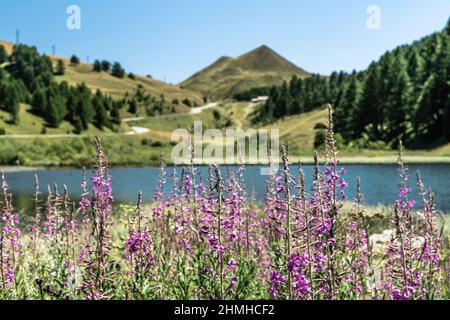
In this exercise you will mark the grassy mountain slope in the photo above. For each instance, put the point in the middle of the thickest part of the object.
(31, 124)
(117, 87)
(8, 46)
(298, 132)
(227, 76)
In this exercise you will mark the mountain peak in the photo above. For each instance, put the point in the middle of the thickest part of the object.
(264, 58)
(260, 67)
(264, 47)
(261, 51)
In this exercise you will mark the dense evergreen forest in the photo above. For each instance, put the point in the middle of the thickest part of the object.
(29, 77)
(404, 95)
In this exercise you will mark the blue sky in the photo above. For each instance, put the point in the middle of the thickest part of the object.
(171, 39)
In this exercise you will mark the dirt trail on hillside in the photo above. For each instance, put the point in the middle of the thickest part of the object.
(196, 110)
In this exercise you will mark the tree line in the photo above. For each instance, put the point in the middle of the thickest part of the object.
(404, 95)
(29, 77)
(115, 69)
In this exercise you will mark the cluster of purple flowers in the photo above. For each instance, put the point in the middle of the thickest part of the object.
(208, 236)
(10, 239)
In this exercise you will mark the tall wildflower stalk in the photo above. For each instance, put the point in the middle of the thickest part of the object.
(331, 158)
(10, 239)
(431, 250)
(307, 223)
(194, 185)
(412, 258)
(287, 190)
(97, 277)
(219, 247)
(324, 227)
(36, 221)
(138, 249)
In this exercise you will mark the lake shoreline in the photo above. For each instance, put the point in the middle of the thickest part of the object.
(379, 183)
(387, 160)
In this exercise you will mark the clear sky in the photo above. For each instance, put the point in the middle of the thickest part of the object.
(171, 39)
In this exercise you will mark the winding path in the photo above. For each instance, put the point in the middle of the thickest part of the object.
(196, 110)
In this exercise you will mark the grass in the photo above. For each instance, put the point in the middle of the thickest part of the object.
(117, 88)
(114, 86)
(166, 124)
(299, 133)
(145, 149)
(31, 124)
(239, 112)
(78, 151)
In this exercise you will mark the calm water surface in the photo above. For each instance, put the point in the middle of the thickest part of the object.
(379, 182)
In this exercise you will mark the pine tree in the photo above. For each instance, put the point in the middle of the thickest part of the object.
(425, 117)
(416, 69)
(74, 60)
(432, 116)
(97, 67)
(101, 117)
(400, 108)
(71, 104)
(385, 93)
(52, 116)
(348, 106)
(78, 125)
(60, 68)
(297, 107)
(283, 103)
(10, 99)
(115, 114)
(3, 54)
(441, 68)
(14, 109)
(117, 70)
(367, 112)
(133, 107)
(39, 103)
(84, 108)
(106, 65)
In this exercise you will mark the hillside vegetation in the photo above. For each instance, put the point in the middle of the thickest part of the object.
(113, 86)
(402, 96)
(261, 67)
(300, 133)
(118, 87)
(61, 91)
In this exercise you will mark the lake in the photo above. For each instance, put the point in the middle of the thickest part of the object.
(379, 183)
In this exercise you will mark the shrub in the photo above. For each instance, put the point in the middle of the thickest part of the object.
(320, 126)
(319, 139)
(74, 60)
